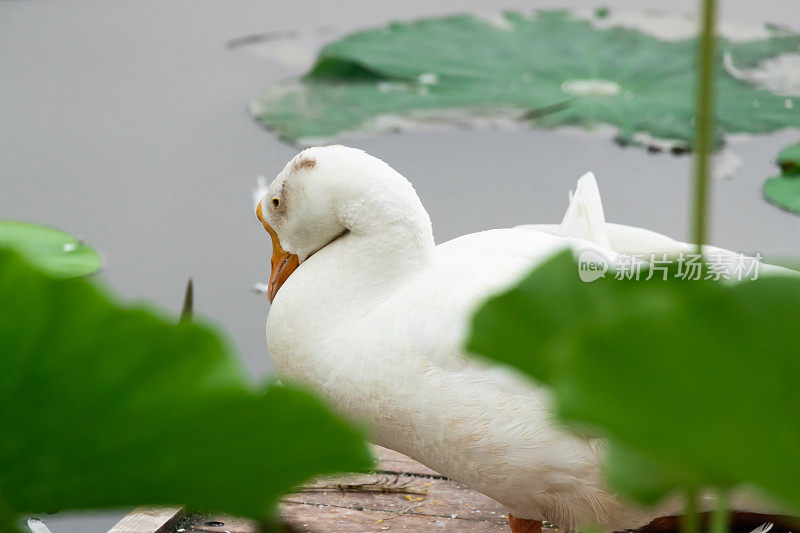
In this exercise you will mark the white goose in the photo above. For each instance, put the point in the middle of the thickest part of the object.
(374, 318)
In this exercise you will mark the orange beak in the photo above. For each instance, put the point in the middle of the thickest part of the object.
(283, 263)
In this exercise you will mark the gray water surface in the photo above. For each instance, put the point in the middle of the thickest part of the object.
(126, 124)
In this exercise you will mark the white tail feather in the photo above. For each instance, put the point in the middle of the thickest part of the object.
(584, 218)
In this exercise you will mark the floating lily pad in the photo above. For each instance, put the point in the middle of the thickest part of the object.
(784, 190)
(54, 251)
(103, 405)
(548, 68)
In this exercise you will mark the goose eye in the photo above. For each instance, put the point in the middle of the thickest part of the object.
(276, 202)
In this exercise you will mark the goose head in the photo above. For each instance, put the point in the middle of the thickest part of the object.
(326, 192)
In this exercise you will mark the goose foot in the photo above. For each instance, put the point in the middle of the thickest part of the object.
(521, 525)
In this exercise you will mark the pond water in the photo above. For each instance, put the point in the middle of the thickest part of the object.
(126, 123)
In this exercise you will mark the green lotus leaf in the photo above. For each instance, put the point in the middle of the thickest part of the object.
(696, 379)
(103, 405)
(54, 251)
(549, 68)
(784, 192)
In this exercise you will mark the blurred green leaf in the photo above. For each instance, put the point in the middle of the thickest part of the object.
(699, 378)
(642, 475)
(548, 67)
(110, 406)
(789, 160)
(54, 251)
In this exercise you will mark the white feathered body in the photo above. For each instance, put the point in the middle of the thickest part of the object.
(376, 323)
(398, 364)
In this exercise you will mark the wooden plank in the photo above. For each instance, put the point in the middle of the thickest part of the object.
(427, 496)
(302, 518)
(311, 518)
(149, 520)
(403, 494)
